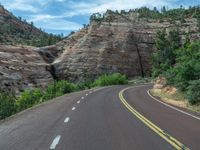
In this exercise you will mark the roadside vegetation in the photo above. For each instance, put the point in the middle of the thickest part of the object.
(178, 63)
(9, 104)
(113, 79)
(141, 80)
(177, 98)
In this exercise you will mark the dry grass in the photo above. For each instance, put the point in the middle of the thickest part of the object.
(175, 98)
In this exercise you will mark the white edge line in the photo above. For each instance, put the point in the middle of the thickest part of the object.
(73, 108)
(181, 111)
(55, 142)
(78, 102)
(66, 120)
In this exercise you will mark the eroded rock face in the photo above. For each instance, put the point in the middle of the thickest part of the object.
(22, 68)
(119, 44)
(50, 53)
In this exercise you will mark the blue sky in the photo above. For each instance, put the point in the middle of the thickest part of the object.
(56, 16)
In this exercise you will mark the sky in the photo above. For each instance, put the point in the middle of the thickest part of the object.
(64, 16)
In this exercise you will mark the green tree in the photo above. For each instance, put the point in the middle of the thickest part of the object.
(159, 57)
(164, 58)
(187, 66)
(193, 92)
(163, 9)
(198, 22)
(187, 40)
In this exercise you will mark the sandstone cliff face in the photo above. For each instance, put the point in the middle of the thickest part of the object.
(116, 44)
(22, 68)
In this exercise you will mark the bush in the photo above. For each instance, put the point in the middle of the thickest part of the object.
(63, 87)
(50, 92)
(193, 92)
(28, 99)
(7, 105)
(187, 67)
(84, 85)
(113, 79)
(58, 88)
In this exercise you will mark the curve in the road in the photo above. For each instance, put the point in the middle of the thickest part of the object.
(100, 121)
(171, 140)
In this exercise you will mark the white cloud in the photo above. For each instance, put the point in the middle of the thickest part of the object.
(33, 6)
(54, 23)
(84, 8)
(43, 14)
(60, 0)
(42, 17)
(87, 8)
(59, 24)
(21, 5)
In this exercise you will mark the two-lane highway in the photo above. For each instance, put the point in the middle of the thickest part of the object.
(101, 119)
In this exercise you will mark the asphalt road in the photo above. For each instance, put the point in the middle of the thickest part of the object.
(111, 118)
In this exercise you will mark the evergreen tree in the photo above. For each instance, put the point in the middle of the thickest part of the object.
(164, 58)
(163, 9)
(187, 40)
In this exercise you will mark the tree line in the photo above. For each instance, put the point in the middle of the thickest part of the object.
(164, 13)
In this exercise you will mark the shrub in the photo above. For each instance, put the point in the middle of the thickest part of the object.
(58, 88)
(7, 105)
(64, 87)
(84, 85)
(50, 92)
(187, 66)
(193, 92)
(28, 99)
(113, 79)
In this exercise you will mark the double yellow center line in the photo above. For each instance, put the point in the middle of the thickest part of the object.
(175, 143)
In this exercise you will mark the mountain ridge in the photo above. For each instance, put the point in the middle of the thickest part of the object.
(16, 31)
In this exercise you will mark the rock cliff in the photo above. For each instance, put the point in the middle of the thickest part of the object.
(117, 43)
(121, 43)
(21, 67)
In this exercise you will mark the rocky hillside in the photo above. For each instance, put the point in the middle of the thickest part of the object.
(21, 67)
(113, 42)
(15, 31)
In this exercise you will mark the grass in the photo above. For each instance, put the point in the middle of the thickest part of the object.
(176, 99)
(195, 108)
